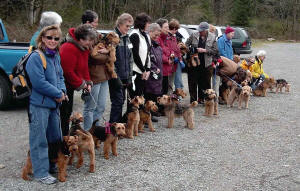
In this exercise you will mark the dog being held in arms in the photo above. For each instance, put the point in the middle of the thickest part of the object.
(173, 109)
(210, 102)
(132, 116)
(110, 41)
(145, 115)
(109, 135)
(85, 142)
(59, 153)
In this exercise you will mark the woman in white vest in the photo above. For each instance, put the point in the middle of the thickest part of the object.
(141, 52)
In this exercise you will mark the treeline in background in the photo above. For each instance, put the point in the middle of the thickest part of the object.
(279, 19)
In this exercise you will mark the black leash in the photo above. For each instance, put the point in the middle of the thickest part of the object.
(238, 85)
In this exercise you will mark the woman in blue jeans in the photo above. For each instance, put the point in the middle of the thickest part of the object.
(48, 91)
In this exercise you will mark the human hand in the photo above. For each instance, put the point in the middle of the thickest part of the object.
(103, 51)
(158, 71)
(59, 100)
(147, 75)
(201, 50)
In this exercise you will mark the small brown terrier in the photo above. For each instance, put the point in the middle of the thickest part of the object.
(132, 116)
(58, 154)
(261, 90)
(145, 115)
(109, 135)
(180, 92)
(183, 48)
(211, 105)
(173, 109)
(85, 142)
(244, 96)
(109, 42)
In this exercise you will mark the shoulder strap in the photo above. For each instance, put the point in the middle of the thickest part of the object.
(42, 58)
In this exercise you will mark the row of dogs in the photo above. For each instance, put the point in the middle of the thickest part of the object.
(138, 113)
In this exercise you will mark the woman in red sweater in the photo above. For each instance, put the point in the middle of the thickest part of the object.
(74, 55)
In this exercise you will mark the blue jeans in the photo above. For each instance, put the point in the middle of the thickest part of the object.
(94, 107)
(44, 128)
(178, 77)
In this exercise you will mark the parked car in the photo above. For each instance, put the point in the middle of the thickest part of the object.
(241, 41)
(10, 54)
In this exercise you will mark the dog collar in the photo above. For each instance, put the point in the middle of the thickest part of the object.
(107, 128)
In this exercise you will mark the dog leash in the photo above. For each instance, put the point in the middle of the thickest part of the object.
(238, 85)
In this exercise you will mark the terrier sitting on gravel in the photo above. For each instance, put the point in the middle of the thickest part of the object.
(85, 142)
(211, 105)
(132, 116)
(174, 109)
(109, 135)
(59, 153)
(145, 115)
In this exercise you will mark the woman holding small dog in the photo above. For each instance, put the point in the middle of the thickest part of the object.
(74, 60)
(48, 92)
(94, 105)
(123, 64)
(141, 50)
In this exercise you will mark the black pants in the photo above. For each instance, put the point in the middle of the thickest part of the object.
(165, 85)
(139, 85)
(117, 98)
(66, 111)
(199, 79)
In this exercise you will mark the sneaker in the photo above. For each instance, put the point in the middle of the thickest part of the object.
(47, 180)
(154, 119)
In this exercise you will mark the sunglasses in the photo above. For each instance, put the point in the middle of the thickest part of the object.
(173, 29)
(52, 38)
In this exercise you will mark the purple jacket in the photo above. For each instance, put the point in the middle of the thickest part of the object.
(154, 86)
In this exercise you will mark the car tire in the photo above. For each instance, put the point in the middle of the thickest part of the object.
(5, 93)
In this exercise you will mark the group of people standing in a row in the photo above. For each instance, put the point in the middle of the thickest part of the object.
(148, 62)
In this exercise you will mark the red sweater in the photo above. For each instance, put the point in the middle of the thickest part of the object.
(74, 62)
(169, 46)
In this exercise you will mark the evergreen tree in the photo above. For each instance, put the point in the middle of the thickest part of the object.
(241, 13)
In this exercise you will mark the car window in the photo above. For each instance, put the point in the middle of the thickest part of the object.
(245, 33)
(1, 34)
(223, 31)
(237, 35)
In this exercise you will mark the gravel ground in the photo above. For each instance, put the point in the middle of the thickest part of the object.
(253, 149)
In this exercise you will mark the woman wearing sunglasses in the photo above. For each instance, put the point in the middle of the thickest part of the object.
(48, 91)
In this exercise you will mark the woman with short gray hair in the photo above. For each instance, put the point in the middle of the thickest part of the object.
(123, 65)
(47, 18)
(124, 18)
(153, 87)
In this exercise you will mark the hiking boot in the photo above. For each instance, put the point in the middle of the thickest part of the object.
(47, 180)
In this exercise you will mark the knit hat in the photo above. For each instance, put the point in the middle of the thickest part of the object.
(203, 26)
(229, 30)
